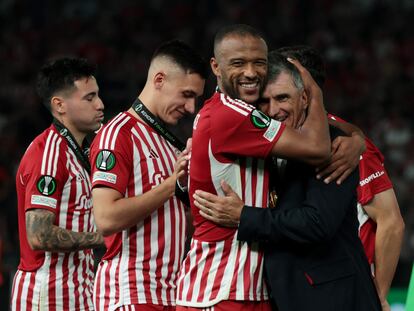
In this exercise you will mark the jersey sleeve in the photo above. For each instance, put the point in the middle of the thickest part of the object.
(240, 129)
(45, 175)
(111, 159)
(373, 176)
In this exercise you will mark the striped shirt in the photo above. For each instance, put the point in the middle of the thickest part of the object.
(141, 263)
(50, 177)
(373, 179)
(231, 140)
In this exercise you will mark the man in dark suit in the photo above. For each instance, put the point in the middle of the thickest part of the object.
(314, 259)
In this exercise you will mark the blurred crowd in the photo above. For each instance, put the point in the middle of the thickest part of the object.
(368, 46)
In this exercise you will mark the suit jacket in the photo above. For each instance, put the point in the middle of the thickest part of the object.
(314, 259)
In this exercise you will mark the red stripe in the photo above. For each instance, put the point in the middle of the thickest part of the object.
(219, 276)
(52, 280)
(193, 273)
(207, 267)
(108, 285)
(98, 287)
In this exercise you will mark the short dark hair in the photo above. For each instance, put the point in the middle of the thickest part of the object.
(277, 63)
(184, 56)
(242, 30)
(310, 58)
(60, 75)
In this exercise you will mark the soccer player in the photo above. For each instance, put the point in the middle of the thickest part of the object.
(56, 228)
(381, 227)
(314, 259)
(135, 168)
(231, 140)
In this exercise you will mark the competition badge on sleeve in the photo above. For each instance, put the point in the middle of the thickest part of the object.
(46, 185)
(105, 161)
(259, 119)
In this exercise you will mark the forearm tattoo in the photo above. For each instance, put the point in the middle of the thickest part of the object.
(48, 237)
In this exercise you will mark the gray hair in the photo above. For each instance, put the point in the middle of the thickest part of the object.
(277, 63)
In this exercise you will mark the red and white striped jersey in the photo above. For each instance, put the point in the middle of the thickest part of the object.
(231, 140)
(51, 177)
(141, 264)
(373, 179)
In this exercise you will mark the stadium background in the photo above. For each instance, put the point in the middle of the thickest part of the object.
(368, 46)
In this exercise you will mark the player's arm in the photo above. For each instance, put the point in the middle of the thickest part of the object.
(311, 143)
(346, 151)
(384, 210)
(43, 235)
(114, 213)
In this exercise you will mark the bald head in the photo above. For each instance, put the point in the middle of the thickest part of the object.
(235, 31)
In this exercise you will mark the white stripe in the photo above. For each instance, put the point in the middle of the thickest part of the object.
(52, 155)
(112, 279)
(57, 153)
(153, 251)
(46, 153)
(151, 142)
(241, 103)
(25, 290)
(140, 226)
(218, 254)
(102, 285)
(17, 278)
(233, 106)
(229, 172)
(118, 128)
(107, 130)
(242, 260)
(42, 280)
(186, 277)
(200, 270)
(248, 191)
(260, 183)
(71, 271)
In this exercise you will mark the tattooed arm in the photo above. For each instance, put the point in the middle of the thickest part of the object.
(42, 234)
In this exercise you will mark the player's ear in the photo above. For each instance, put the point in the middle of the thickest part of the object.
(159, 79)
(304, 99)
(57, 104)
(214, 66)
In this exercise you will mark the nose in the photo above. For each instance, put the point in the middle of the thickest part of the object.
(250, 71)
(273, 109)
(190, 105)
(99, 104)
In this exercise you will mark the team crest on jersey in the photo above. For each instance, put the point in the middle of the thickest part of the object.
(46, 185)
(259, 119)
(105, 161)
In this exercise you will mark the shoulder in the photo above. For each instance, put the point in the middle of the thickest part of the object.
(117, 130)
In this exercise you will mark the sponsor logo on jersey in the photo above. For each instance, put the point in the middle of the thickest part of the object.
(42, 200)
(371, 178)
(272, 130)
(105, 161)
(46, 185)
(153, 154)
(259, 119)
(103, 176)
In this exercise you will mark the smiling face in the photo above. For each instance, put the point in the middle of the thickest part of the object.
(283, 101)
(240, 65)
(178, 96)
(80, 109)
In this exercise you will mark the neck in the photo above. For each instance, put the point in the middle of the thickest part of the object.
(145, 98)
(77, 134)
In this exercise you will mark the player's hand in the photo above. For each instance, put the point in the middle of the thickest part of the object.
(224, 211)
(346, 152)
(311, 87)
(181, 165)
